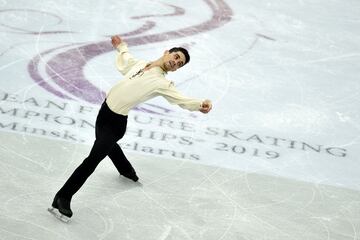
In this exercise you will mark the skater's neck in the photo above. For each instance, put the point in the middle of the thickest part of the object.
(157, 63)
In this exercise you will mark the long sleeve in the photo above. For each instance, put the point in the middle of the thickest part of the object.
(124, 60)
(173, 96)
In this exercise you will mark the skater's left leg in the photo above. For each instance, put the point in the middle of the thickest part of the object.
(117, 124)
(121, 163)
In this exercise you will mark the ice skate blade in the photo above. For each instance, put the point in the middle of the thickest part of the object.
(55, 212)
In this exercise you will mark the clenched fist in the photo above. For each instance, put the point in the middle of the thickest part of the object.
(115, 41)
(206, 106)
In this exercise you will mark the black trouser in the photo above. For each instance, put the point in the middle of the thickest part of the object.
(109, 128)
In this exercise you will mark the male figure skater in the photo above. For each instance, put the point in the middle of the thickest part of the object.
(142, 81)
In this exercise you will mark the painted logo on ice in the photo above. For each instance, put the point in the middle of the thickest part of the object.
(61, 70)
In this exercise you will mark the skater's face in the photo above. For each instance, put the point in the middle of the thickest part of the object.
(173, 61)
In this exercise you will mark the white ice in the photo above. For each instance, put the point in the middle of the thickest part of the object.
(277, 158)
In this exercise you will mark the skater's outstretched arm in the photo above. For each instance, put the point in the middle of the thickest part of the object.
(124, 60)
(173, 96)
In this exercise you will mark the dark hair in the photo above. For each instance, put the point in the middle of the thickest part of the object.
(183, 50)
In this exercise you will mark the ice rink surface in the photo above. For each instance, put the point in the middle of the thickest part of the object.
(277, 158)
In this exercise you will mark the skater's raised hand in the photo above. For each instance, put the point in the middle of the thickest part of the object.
(115, 41)
(206, 106)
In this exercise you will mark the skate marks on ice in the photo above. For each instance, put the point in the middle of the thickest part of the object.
(176, 200)
(56, 213)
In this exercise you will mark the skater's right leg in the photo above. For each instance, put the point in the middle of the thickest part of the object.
(110, 127)
(62, 205)
(99, 151)
(63, 197)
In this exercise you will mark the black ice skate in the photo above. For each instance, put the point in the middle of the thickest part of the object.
(60, 208)
(131, 175)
